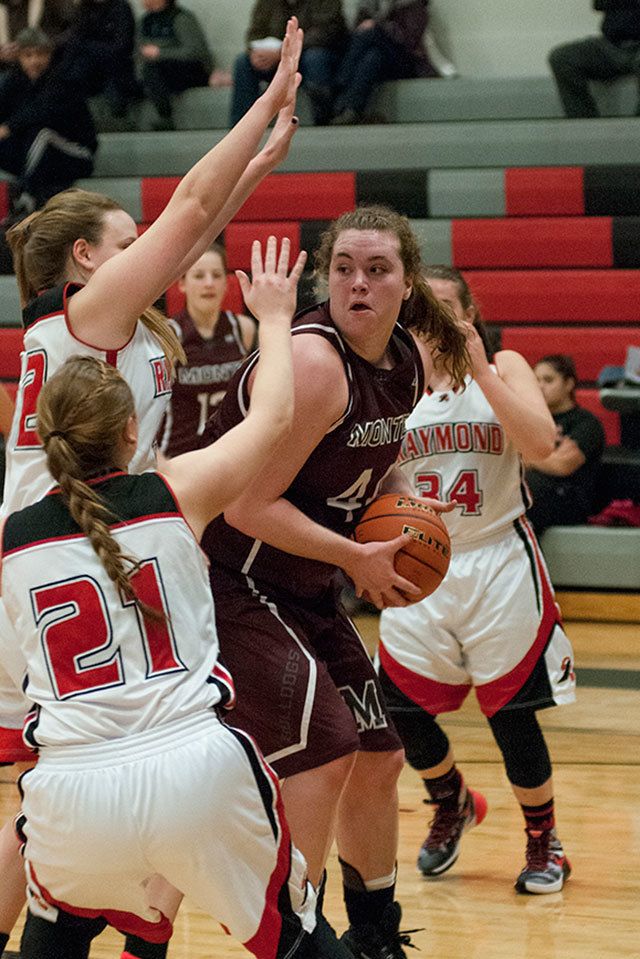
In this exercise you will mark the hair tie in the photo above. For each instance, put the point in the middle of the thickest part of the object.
(61, 433)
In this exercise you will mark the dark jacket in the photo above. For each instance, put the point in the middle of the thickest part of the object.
(52, 101)
(404, 22)
(621, 21)
(178, 34)
(102, 31)
(322, 21)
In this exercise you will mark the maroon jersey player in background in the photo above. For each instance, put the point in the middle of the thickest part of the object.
(306, 688)
(215, 342)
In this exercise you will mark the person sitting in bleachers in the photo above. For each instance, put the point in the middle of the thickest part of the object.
(52, 16)
(175, 56)
(386, 44)
(325, 34)
(614, 54)
(563, 485)
(99, 52)
(47, 135)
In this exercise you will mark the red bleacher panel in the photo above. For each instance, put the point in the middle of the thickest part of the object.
(536, 242)
(4, 198)
(544, 191)
(238, 238)
(301, 196)
(232, 300)
(556, 296)
(592, 348)
(11, 343)
(590, 399)
(155, 193)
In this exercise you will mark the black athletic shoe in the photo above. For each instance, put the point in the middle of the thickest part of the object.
(442, 846)
(382, 941)
(547, 867)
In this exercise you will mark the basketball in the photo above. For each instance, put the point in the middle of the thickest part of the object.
(424, 560)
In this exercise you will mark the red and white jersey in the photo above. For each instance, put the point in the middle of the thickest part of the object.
(96, 670)
(48, 342)
(454, 448)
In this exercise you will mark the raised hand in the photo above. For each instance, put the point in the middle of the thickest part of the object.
(277, 146)
(271, 292)
(282, 88)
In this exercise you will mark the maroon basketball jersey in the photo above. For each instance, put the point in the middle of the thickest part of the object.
(344, 471)
(200, 385)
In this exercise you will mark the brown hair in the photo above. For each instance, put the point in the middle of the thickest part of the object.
(563, 365)
(421, 313)
(438, 271)
(42, 242)
(82, 412)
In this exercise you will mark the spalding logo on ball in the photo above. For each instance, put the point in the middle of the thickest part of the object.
(424, 560)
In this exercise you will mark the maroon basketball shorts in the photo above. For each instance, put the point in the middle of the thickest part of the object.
(306, 688)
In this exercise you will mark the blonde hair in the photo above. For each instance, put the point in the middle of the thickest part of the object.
(42, 242)
(422, 312)
(82, 413)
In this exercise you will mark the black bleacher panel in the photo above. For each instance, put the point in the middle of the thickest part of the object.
(612, 190)
(626, 241)
(402, 190)
(310, 231)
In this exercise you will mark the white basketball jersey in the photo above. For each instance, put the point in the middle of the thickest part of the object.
(454, 448)
(48, 342)
(96, 669)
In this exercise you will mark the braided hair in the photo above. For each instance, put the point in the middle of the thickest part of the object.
(82, 413)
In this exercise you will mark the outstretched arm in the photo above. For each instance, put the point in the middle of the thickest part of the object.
(106, 309)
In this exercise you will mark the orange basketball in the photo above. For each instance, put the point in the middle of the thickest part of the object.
(425, 558)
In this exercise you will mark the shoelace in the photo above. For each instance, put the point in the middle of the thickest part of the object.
(445, 825)
(537, 851)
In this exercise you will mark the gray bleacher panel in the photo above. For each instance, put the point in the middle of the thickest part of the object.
(466, 193)
(10, 312)
(492, 98)
(435, 239)
(593, 557)
(413, 146)
(124, 190)
(403, 101)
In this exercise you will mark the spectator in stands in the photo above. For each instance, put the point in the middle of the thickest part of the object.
(614, 54)
(325, 34)
(386, 44)
(175, 56)
(563, 484)
(47, 135)
(215, 342)
(99, 52)
(52, 16)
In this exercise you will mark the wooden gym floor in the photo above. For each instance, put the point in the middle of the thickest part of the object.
(473, 912)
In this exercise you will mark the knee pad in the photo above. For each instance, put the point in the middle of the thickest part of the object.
(425, 744)
(523, 747)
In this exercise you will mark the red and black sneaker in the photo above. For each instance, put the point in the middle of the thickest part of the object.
(547, 866)
(441, 848)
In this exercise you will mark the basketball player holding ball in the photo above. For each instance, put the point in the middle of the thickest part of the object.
(307, 690)
(493, 624)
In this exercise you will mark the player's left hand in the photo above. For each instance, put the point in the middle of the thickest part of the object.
(437, 505)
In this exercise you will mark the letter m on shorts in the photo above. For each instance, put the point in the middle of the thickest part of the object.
(367, 712)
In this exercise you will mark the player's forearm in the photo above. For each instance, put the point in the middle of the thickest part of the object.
(284, 526)
(529, 428)
(254, 174)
